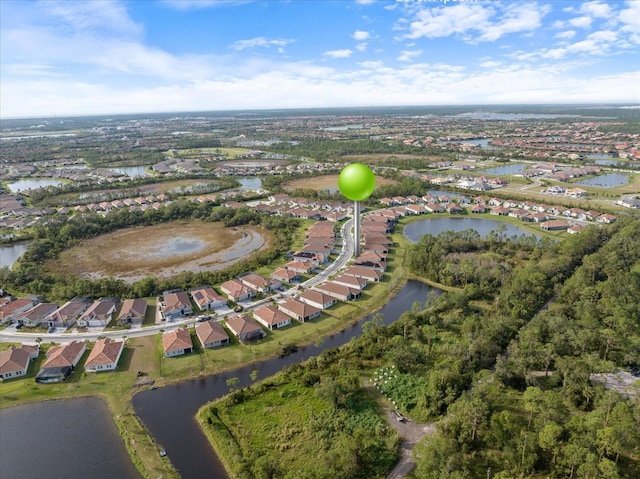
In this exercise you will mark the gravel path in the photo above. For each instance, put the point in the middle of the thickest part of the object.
(411, 433)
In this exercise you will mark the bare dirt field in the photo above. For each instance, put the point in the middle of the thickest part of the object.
(162, 250)
(328, 182)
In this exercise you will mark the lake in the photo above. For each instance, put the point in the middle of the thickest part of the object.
(32, 184)
(509, 169)
(434, 226)
(480, 142)
(10, 253)
(93, 448)
(62, 439)
(609, 180)
(252, 183)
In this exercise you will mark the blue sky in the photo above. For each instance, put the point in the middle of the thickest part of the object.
(102, 57)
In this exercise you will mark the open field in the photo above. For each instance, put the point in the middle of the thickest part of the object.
(328, 182)
(161, 250)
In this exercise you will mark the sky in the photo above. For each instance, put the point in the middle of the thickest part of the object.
(91, 57)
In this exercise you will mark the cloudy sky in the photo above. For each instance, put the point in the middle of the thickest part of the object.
(99, 56)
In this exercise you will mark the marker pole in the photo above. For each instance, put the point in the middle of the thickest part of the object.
(356, 229)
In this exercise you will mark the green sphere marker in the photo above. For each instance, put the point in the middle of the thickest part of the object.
(356, 181)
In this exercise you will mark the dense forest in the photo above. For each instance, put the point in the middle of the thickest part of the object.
(52, 239)
(502, 365)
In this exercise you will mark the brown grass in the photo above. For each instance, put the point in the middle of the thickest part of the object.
(133, 253)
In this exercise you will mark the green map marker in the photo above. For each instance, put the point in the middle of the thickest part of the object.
(356, 182)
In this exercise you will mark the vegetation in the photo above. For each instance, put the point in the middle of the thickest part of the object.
(54, 238)
(310, 424)
(503, 364)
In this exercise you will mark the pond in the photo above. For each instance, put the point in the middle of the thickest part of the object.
(62, 439)
(506, 169)
(253, 183)
(434, 226)
(609, 180)
(10, 253)
(32, 184)
(93, 448)
(480, 142)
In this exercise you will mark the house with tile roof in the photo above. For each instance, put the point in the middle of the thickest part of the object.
(100, 313)
(299, 310)
(176, 342)
(237, 291)
(211, 334)
(61, 361)
(339, 291)
(104, 356)
(175, 305)
(12, 308)
(206, 297)
(34, 316)
(285, 275)
(271, 317)
(14, 362)
(244, 328)
(67, 314)
(133, 311)
(317, 299)
(258, 283)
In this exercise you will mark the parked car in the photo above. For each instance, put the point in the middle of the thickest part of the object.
(51, 329)
(19, 325)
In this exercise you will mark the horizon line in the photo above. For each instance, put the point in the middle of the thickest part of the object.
(622, 105)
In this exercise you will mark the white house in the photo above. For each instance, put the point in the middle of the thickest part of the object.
(177, 342)
(104, 356)
(15, 361)
(211, 334)
(271, 317)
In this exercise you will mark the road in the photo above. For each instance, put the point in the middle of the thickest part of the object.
(11, 335)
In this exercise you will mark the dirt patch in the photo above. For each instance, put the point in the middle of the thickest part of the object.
(162, 250)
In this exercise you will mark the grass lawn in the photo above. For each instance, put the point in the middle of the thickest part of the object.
(115, 387)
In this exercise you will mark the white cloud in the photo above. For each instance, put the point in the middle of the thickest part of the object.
(258, 42)
(481, 19)
(361, 35)
(580, 22)
(445, 21)
(630, 18)
(596, 9)
(490, 64)
(339, 53)
(517, 18)
(198, 4)
(566, 35)
(104, 17)
(361, 46)
(409, 55)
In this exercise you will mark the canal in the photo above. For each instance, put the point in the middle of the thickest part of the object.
(169, 412)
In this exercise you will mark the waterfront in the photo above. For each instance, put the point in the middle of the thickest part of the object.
(32, 184)
(434, 226)
(170, 425)
(62, 439)
(10, 253)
